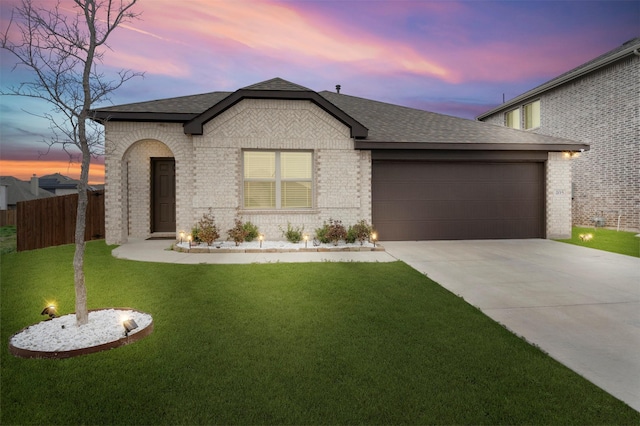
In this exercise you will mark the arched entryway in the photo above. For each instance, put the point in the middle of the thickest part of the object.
(149, 185)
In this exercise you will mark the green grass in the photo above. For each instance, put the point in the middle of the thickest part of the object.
(8, 239)
(323, 343)
(607, 239)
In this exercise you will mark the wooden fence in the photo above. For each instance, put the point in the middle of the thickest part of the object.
(51, 221)
(7, 218)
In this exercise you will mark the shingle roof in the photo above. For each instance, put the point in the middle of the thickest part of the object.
(19, 190)
(386, 123)
(626, 49)
(277, 84)
(193, 104)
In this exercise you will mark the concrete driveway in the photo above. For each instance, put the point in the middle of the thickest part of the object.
(580, 305)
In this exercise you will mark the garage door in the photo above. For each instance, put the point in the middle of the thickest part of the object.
(457, 200)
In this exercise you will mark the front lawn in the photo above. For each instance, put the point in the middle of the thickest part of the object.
(322, 343)
(606, 239)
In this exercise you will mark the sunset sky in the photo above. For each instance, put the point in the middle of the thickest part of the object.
(452, 57)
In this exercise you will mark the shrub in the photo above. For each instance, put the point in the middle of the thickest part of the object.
(237, 233)
(195, 234)
(360, 232)
(293, 235)
(336, 231)
(251, 230)
(321, 233)
(206, 229)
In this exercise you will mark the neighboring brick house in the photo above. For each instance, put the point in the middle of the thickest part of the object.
(597, 103)
(277, 153)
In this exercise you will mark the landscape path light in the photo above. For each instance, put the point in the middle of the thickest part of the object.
(374, 237)
(181, 236)
(49, 310)
(129, 324)
(260, 238)
(306, 239)
(189, 237)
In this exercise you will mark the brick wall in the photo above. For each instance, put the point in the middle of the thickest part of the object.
(603, 110)
(209, 168)
(558, 196)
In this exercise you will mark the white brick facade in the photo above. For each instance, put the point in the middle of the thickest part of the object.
(601, 108)
(558, 196)
(209, 169)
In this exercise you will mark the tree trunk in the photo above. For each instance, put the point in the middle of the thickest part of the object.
(82, 313)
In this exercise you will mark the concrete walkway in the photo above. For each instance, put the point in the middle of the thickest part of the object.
(580, 305)
(158, 251)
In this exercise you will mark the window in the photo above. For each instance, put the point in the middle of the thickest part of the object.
(512, 119)
(278, 180)
(532, 115)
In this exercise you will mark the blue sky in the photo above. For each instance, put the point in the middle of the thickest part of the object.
(452, 57)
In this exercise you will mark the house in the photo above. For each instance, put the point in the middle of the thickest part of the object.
(18, 190)
(59, 184)
(63, 185)
(277, 153)
(597, 103)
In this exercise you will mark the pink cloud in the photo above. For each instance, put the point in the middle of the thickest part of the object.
(266, 28)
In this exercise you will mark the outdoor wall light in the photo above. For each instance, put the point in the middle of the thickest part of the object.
(129, 324)
(374, 237)
(260, 238)
(49, 310)
(571, 154)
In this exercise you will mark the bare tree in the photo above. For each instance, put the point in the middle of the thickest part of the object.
(62, 47)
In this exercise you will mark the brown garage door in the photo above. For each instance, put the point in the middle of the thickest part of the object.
(457, 200)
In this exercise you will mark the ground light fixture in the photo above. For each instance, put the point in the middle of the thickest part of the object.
(181, 236)
(129, 324)
(189, 237)
(374, 238)
(306, 240)
(49, 310)
(260, 238)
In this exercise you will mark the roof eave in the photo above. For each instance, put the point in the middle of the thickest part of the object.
(559, 147)
(165, 117)
(579, 72)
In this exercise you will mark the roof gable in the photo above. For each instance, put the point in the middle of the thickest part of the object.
(274, 89)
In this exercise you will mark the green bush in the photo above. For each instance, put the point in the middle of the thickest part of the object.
(293, 235)
(321, 233)
(251, 230)
(195, 234)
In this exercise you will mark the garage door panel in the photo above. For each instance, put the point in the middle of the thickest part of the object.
(427, 200)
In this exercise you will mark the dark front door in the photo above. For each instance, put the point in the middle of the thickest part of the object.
(163, 195)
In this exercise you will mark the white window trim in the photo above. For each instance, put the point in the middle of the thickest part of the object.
(524, 117)
(278, 183)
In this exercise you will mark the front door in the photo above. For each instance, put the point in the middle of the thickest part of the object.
(163, 195)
